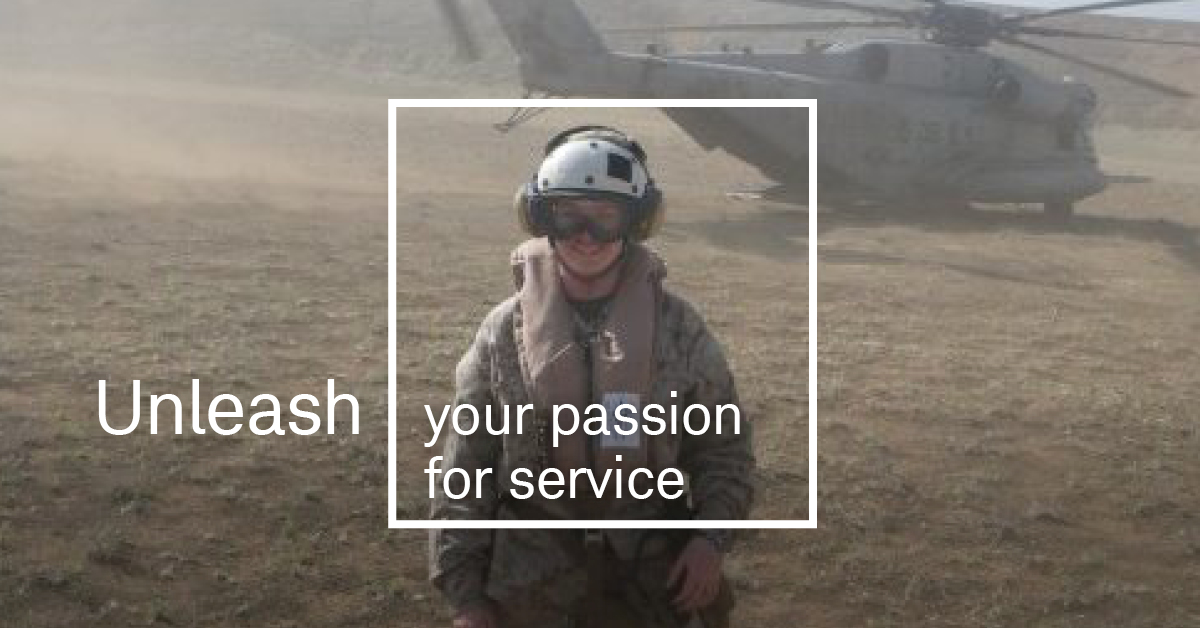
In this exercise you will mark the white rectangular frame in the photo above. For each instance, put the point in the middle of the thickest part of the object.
(508, 103)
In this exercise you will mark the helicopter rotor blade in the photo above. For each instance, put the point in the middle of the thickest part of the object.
(1073, 34)
(759, 27)
(908, 15)
(1136, 79)
(1080, 8)
(465, 46)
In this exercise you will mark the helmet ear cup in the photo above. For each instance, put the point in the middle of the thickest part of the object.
(521, 207)
(533, 210)
(649, 214)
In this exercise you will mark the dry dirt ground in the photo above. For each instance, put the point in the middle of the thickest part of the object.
(1008, 408)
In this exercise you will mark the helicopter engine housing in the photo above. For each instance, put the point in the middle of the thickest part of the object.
(1039, 100)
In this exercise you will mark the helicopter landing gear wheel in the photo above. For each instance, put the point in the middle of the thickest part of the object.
(1059, 209)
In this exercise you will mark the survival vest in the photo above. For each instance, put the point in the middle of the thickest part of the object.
(610, 366)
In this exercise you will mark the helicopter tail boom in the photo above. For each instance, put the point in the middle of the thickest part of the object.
(553, 39)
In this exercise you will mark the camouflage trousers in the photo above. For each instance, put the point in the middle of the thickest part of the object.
(622, 599)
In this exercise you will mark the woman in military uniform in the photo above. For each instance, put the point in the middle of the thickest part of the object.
(591, 323)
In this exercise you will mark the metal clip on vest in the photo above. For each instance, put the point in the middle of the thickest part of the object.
(611, 349)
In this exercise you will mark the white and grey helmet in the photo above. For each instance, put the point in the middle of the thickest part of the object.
(592, 167)
(593, 162)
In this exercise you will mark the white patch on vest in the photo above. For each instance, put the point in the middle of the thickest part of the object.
(614, 439)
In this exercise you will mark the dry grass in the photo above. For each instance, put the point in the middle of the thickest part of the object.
(1008, 407)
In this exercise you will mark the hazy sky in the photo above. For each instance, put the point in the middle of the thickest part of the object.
(1185, 10)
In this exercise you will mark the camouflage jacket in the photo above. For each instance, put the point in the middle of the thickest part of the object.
(470, 566)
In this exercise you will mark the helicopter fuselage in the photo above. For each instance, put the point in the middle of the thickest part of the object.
(921, 119)
(897, 118)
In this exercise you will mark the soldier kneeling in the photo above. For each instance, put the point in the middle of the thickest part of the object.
(591, 323)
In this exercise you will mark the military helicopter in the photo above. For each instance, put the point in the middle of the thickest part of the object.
(926, 121)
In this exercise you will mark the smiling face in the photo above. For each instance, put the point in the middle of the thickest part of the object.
(583, 226)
